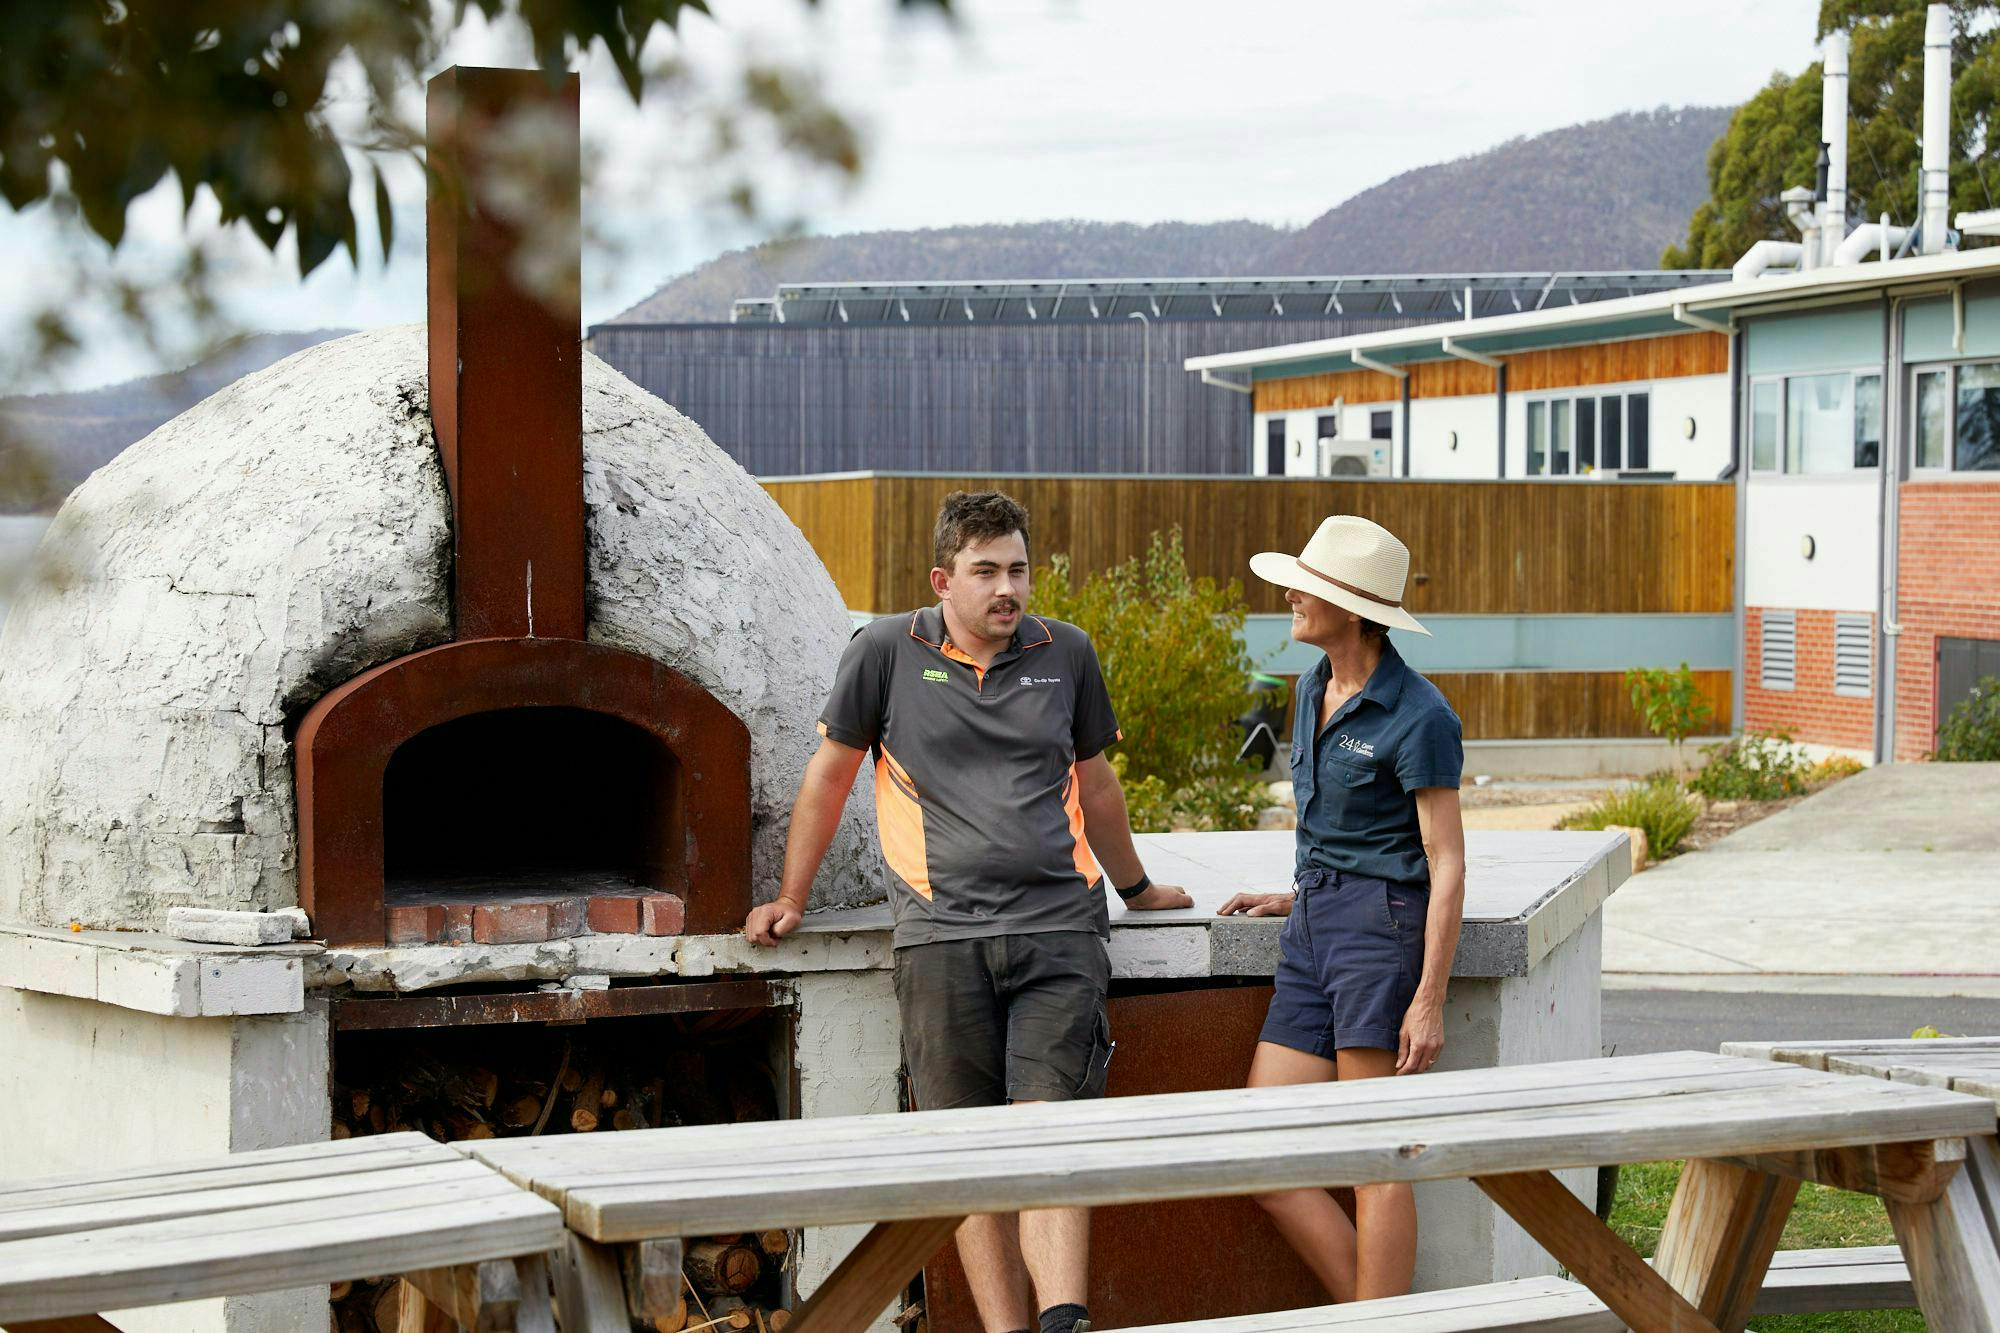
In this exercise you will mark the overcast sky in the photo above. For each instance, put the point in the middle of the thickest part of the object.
(1120, 110)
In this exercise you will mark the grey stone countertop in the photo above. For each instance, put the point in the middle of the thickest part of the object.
(1525, 893)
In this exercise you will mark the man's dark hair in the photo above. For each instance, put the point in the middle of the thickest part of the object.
(974, 516)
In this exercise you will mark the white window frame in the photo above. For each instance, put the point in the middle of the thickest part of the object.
(1566, 399)
(1787, 459)
(1950, 469)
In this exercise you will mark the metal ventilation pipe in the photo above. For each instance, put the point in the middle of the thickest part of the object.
(1802, 207)
(1936, 203)
(1833, 132)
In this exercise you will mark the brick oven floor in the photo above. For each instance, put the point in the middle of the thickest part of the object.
(524, 907)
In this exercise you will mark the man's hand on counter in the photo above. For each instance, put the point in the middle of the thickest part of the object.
(1257, 904)
(1159, 898)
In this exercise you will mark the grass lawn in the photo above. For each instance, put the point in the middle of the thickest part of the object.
(1822, 1219)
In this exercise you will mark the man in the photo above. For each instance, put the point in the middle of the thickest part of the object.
(994, 801)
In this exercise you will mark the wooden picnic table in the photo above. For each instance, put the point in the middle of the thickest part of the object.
(72, 1246)
(1754, 1128)
(1954, 1245)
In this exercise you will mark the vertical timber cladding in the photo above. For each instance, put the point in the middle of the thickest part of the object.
(1627, 361)
(1477, 547)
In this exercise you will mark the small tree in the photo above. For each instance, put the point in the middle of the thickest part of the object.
(1669, 704)
(1971, 734)
(1173, 656)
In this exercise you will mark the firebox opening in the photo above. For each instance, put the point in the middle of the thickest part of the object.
(525, 801)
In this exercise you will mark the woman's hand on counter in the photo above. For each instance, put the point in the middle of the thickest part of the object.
(1257, 904)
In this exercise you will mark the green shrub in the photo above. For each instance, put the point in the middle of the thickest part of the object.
(1972, 733)
(1832, 769)
(1173, 657)
(1659, 807)
(1221, 802)
(1669, 704)
(1754, 767)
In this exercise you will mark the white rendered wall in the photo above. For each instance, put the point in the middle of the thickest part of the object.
(88, 1086)
(1554, 1013)
(1840, 514)
(850, 1056)
(1476, 420)
(1704, 398)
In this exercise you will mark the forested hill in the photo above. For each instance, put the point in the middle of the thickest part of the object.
(1610, 194)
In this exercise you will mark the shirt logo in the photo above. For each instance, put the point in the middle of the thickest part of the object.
(1041, 680)
(1366, 749)
(932, 673)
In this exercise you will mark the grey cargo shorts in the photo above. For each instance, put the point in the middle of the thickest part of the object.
(1008, 1018)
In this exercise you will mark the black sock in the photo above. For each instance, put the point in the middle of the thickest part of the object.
(1064, 1318)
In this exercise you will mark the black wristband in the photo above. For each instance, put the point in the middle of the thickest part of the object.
(1145, 882)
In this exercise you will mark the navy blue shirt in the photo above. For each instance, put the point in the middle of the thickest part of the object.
(1355, 778)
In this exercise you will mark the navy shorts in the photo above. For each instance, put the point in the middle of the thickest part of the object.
(1351, 953)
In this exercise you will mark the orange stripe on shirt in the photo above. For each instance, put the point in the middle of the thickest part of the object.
(1086, 865)
(899, 820)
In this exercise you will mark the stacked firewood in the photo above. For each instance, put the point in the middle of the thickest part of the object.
(502, 1082)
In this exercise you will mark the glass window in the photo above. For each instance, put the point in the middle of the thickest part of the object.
(1638, 430)
(1379, 427)
(1538, 438)
(1611, 441)
(1586, 435)
(1978, 439)
(1764, 447)
(1559, 439)
(1329, 428)
(1867, 420)
(1819, 423)
(1274, 447)
(1933, 428)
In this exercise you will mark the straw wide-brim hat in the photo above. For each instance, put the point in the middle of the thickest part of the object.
(1352, 563)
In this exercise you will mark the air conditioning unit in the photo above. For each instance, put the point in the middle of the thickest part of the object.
(1354, 458)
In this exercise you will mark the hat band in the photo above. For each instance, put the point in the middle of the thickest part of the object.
(1349, 587)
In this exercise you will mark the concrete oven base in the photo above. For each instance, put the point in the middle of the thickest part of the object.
(91, 1086)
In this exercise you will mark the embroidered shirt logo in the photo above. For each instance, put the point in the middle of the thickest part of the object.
(1366, 749)
(1041, 680)
(932, 673)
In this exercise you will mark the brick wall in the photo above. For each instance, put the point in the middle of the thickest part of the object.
(1810, 711)
(1948, 583)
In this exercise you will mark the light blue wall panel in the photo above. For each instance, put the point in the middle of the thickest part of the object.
(1927, 327)
(1835, 339)
(1527, 643)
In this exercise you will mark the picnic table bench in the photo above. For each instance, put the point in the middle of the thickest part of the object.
(1754, 1130)
(1956, 1243)
(72, 1246)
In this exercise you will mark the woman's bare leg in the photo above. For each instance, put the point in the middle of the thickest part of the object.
(1385, 1216)
(1309, 1220)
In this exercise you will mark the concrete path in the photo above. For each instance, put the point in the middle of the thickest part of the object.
(1887, 882)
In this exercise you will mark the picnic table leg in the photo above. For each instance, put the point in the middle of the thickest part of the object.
(1567, 1228)
(590, 1292)
(1722, 1229)
(481, 1298)
(871, 1275)
(1952, 1245)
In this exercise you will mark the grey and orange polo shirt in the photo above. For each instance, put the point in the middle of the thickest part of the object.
(976, 789)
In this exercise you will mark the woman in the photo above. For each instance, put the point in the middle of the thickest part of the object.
(1379, 883)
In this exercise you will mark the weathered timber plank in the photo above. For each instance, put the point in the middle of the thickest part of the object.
(155, 1206)
(1459, 1092)
(590, 1296)
(1870, 1277)
(76, 1323)
(872, 1273)
(536, 1313)
(1909, 1172)
(652, 1273)
(1568, 1230)
(1721, 1230)
(1541, 1304)
(415, 1313)
(271, 1248)
(340, 1156)
(842, 1188)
